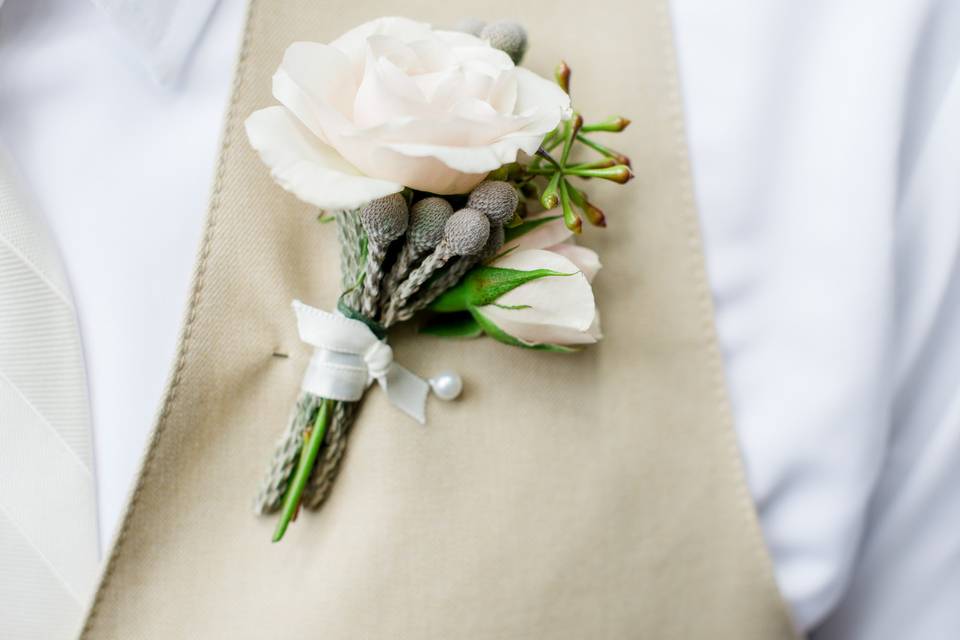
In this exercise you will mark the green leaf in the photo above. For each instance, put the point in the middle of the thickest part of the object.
(485, 285)
(525, 227)
(500, 335)
(460, 325)
(452, 300)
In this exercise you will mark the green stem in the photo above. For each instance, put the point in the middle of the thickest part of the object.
(604, 163)
(304, 467)
(599, 148)
(551, 141)
(613, 124)
(541, 171)
(543, 153)
(556, 142)
(605, 170)
(571, 128)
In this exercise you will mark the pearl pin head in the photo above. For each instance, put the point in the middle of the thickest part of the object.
(447, 385)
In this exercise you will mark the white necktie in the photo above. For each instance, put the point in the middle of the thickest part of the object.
(48, 529)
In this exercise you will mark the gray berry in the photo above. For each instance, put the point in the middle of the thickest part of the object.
(496, 199)
(385, 219)
(508, 36)
(427, 218)
(494, 242)
(466, 232)
(473, 26)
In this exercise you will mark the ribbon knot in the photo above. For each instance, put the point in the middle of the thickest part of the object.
(379, 359)
(348, 358)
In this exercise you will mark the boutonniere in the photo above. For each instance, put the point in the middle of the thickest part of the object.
(449, 172)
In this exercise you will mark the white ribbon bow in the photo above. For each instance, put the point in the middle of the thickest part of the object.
(348, 358)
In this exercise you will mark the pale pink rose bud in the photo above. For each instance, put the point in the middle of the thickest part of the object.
(554, 310)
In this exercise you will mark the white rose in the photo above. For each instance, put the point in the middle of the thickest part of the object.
(394, 103)
(558, 310)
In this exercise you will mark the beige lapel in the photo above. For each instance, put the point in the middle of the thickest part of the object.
(590, 496)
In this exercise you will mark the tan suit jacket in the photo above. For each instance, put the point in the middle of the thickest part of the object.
(596, 495)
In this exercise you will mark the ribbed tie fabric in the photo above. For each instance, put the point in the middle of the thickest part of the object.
(48, 528)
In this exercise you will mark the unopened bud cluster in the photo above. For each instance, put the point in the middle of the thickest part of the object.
(410, 249)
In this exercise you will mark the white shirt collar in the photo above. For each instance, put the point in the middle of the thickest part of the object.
(164, 32)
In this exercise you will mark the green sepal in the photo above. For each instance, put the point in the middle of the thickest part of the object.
(500, 335)
(499, 174)
(458, 325)
(485, 285)
(516, 221)
(525, 227)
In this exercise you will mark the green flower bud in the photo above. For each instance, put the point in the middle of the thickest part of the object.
(562, 76)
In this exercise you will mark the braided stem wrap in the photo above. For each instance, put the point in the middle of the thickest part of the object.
(433, 263)
(432, 290)
(350, 236)
(371, 279)
(287, 452)
(404, 264)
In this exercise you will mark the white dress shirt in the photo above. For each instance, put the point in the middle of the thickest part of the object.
(825, 145)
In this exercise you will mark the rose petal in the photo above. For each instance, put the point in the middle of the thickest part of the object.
(503, 94)
(505, 319)
(424, 174)
(459, 39)
(306, 167)
(387, 93)
(586, 259)
(562, 300)
(554, 309)
(546, 235)
(316, 83)
(473, 159)
(432, 57)
(545, 98)
(353, 42)
(595, 332)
